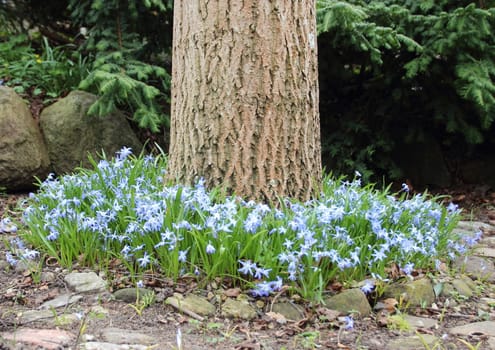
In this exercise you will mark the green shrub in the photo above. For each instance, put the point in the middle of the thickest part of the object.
(123, 45)
(51, 72)
(395, 72)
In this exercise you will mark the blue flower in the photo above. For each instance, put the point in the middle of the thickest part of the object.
(264, 289)
(145, 260)
(247, 267)
(10, 259)
(30, 254)
(379, 255)
(210, 249)
(124, 153)
(252, 222)
(183, 255)
(408, 269)
(126, 252)
(452, 207)
(349, 322)
(260, 272)
(368, 287)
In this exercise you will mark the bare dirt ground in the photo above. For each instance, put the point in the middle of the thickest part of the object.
(20, 292)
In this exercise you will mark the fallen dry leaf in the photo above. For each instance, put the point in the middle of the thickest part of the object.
(232, 292)
(336, 286)
(394, 271)
(390, 304)
(382, 318)
(279, 318)
(248, 344)
(328, 314)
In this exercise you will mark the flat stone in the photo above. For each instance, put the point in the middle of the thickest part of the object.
(415, 293)
(129, 295)
(488, 301)
(484, 251)
(412, 342)
(473, 226)
(238, 308)
(491, 343)
(61, 300)
(66, 319)
(85, 282)
(420, 322)
(462, 287)
(489, 241)
(49, 339)
(21, 266)
(95, 345)
(35, 315)
(191, 304)
(471, 284)
(47, 276)
(485, 327)
(447, 290)
(348, 301)
(125, 336)
(99, 310)
(476, 267)
(289, 310)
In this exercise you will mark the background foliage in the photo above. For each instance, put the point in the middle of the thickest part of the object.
(396, 72)
(392, 72)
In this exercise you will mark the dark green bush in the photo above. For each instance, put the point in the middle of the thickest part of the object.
(124, 38)
(400, 71)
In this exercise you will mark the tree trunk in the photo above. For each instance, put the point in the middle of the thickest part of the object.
(245, 97)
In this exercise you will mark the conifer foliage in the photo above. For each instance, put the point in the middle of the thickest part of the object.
(123, 43)
(401, 70)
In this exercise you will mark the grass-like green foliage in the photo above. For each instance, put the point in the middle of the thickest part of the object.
(49, 71)
(121, 209)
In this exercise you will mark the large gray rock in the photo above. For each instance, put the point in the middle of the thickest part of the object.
(23, 154)
(70, 134)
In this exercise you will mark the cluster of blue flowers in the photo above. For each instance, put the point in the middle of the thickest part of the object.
(128, 211)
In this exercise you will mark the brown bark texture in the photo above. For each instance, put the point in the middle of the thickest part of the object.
(245, 97)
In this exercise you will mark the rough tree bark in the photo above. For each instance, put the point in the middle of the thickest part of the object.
(245, 97)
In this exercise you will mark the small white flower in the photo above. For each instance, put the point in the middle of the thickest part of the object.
(179, 339)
